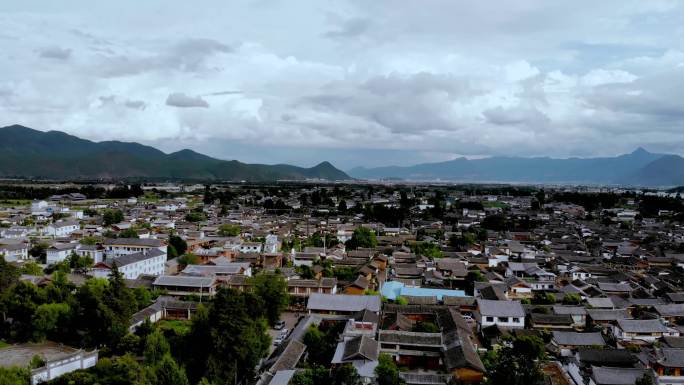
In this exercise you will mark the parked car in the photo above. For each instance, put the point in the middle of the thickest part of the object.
(279, 325)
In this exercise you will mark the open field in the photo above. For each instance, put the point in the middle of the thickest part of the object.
(180, 326)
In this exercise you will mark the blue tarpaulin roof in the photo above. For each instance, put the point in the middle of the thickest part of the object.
(393, 289)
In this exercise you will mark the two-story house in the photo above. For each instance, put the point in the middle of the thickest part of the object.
(62, 228)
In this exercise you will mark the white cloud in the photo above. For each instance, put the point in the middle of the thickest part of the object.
(523, 78)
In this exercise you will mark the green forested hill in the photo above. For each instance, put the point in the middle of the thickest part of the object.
(29, 153)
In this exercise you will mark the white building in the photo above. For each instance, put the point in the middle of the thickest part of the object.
(123, 246)
(40, 207)
(16, 232)
(168, 207)
(96, 253)
(251, 247)
(164, 223)
(505, 314)
(14, 252)
(271, 244)
(221, 270)
(61, 364)
(131, 266)
(648, 330)
(233, 244)
(627, 216)
(59, 252)
(61, 228)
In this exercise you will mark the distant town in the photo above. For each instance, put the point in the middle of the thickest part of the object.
(338, 283)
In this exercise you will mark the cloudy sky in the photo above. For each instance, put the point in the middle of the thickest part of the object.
(356, 82)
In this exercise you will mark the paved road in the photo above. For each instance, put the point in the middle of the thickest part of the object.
(290, 322)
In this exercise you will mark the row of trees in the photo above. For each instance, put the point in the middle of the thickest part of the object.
(361, 238)
(89, 190)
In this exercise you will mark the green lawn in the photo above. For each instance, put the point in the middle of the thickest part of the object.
(180, 326)
(4, 344)
(15, 202)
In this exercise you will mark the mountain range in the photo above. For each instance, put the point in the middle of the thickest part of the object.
(29, 153)
(639, 168)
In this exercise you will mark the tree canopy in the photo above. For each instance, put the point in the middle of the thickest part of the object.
(110, 217)
(516, 363)
(271, 288)
(228, 230)
(362, 237)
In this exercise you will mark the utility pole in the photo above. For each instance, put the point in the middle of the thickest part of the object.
(306, 218)
(325, 232)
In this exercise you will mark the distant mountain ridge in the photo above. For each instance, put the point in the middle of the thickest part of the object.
(29, 153)
(640, 168)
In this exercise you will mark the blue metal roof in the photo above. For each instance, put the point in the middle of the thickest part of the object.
(393, 289)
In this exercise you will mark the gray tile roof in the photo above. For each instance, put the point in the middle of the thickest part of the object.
(65, 223)
(500, 308)
(461, 353)
(184, 281)
(128, 259)
(551, 319)
(410, 338)
(572, 310)
(361, 348)
(63, 246)
(614, 287)
(607, 314)
(674, 342)
(323, 282)
(671, 358)
(615, 376)
(227, 269)
(641, 326)
(342, 302)
(606, 357)
(605, 303)
(139, 242)
(670, 310)
(578, 339)
(290, 356)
